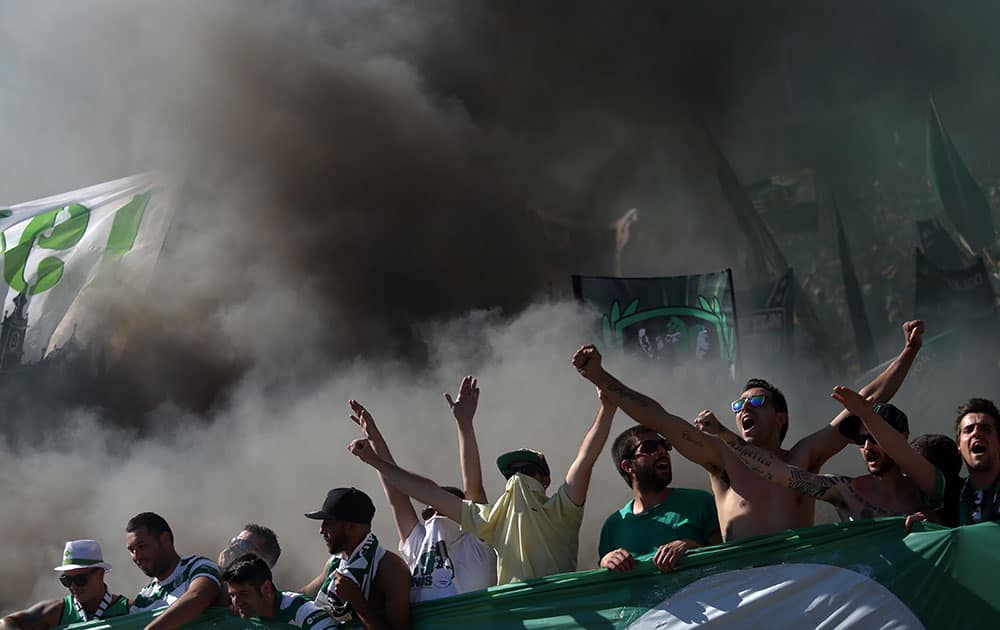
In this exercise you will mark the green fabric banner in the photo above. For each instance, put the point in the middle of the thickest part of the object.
(865, 574)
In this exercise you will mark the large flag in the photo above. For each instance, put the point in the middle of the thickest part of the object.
(844, 575)
(855, 302)
(56, 249)
(938, 244)
(952, 298)
(788, 201)
(670, 319)
(960, 195)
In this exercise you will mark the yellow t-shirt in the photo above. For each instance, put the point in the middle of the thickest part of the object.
(534, 535)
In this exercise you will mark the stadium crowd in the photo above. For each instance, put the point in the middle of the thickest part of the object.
(463, 541)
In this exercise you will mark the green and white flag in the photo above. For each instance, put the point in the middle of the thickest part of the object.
(54, 250)
(843, 575)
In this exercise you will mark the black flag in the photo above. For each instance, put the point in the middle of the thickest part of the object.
(855, 303)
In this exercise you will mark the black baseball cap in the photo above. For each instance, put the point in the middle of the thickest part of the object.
(851, 426)
(345, 504)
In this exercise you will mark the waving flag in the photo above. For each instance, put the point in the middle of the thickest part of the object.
(54, 250)
(960, 195)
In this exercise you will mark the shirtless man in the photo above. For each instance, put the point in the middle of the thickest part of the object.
(899, 480)
(749, 505)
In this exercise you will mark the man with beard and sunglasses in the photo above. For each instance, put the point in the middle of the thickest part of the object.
(443, 559)
(976, 429)
(899, 480)
(534, 534)
(82, 572)
(659, 520)
(747, 504)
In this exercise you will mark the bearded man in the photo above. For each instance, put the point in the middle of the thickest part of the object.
(659, 520)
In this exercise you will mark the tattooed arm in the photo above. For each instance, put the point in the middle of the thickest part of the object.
(768, 465)
(681, 434)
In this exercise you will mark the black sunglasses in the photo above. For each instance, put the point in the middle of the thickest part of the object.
(651, 446)
(75, 580)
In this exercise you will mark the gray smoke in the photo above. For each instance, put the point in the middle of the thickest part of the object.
(358, 222)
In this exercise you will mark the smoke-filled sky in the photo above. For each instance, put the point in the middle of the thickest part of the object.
(357, 221)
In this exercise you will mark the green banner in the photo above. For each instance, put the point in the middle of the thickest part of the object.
(865, 574)
(669, 319)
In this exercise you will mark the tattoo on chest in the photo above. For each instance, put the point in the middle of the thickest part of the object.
(754, 460)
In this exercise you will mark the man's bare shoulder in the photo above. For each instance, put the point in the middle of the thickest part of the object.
(392, 566)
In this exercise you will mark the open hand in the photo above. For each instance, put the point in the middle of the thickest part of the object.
(852, 401)
(363, 419)
(618, 560)
(464, 407)
(913, 332)
(587, 361)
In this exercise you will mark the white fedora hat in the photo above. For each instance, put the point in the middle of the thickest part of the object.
(82, 554)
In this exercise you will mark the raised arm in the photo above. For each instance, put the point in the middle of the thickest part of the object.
(420, 488)
(464, 410)
(921, 471)
(201, 593)
(689, 442)
(771, 467)
(815, 449)
(580, 471)
(402, 510)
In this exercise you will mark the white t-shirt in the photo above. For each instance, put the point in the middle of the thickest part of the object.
(445, 561)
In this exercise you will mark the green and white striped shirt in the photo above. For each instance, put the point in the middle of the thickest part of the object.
(158, 594)
(298, 611)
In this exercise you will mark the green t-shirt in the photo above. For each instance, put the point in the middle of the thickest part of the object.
(686, 513)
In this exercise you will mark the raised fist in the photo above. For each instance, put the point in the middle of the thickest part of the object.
(587, 361)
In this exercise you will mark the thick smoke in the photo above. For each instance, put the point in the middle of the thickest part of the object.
(358, 219)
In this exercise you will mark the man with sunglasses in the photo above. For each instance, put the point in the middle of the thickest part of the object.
(660, 521)
(747, 504)
(443, 560)
(82, 572)
(534, 535)
(899, 480)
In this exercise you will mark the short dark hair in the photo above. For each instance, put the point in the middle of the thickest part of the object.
(248, 569)
(777, 400)
(624, 446)
(458, 492)
(270, 549)
(151, 522)
(977, 405)
(941, 451)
